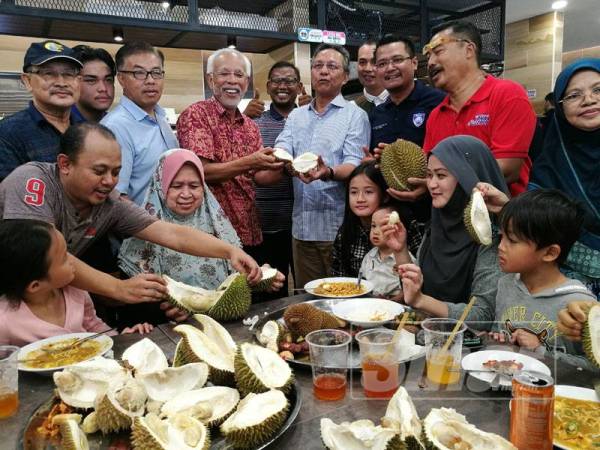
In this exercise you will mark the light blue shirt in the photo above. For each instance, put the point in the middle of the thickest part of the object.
(337, 134)
(142, 139)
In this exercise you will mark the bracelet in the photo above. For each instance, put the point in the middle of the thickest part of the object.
(330, 175)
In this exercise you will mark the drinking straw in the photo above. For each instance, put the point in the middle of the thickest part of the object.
(463, 316)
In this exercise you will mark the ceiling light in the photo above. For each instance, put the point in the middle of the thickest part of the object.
(559, 4)
(166, 4)
(231, 41)
(118, 34)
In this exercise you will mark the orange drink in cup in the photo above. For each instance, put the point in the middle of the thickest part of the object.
(329, 359)
(379, 355)
(443, 364)
(9, 381)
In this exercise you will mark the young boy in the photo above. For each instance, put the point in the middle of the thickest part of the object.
(538, 230)
(378, 264)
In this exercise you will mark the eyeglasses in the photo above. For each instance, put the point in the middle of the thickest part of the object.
(330, 66)
(238, 74)
(53, 75)
(395, 61)
(283, 81)
(577, 97)
(142, 75)
(435, 44)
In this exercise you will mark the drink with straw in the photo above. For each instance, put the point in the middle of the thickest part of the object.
(443, 357)
(329, 359)
(379, 355)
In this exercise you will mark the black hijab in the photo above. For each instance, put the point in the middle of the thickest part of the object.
(570, 159)
(448, 254)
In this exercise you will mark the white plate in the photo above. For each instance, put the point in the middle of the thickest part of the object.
(475, 360)
(104, 340)
(578, 393)
(312, 285)
(358, 311)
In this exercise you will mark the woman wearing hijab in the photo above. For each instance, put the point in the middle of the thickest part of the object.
(451, 266)
(570, 161)
(178, 194)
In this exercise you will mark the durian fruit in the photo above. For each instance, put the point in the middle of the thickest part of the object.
(400, 161)
(445, 429)
(302, 318)
(122, 402)
(230, 301)
(257, 418)
(179, 432)
(90, 423)
(165, 384)
(197, 346)
(358, 435)
(305, 162)
(79, 385)
(282, 155)
(268, 276)
(145, 356)
(591, 335)
(271, 334)
(258, 369)
(210, 405)
(477, 219)
(401, 416)
(72, 437)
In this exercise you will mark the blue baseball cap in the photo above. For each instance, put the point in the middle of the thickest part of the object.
(41, 52)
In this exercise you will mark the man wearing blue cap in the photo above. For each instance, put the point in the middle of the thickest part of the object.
(51, 74)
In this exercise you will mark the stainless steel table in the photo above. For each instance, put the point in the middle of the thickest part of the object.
(484, 408)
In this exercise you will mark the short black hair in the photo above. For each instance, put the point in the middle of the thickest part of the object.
(544, 217)
(24, 247)
(283, 65)
(550, 98)
(465, 30)
(135, 48)
(394, 37)
(338, 48)
(85, 53)
(71, 142)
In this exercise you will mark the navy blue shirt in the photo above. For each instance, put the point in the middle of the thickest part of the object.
(27, 136)
(406, 120)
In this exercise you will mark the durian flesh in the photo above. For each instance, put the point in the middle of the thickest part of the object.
(258, 369)
(72, 437)
(445, 429)
(123, 401)
(591, 335)
(270, 335)
(358, 435)
(477, 219)
(211, 405)
(257, 418)
(268, 276)
(178, 432)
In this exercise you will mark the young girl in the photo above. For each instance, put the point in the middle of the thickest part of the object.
(366, 191)
(37, 301)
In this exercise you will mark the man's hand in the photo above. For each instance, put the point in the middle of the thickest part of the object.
(304, 98)
(243, 263)
(419, 190)
(145, 287)
(494, 198)
(368, 156)
(277, 282)
(264, 159)
(318, 173)
(571, 319)
(256, 106)
(173, 313)
(377, 150)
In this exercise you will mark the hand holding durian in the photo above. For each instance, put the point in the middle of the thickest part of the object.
(580, 321)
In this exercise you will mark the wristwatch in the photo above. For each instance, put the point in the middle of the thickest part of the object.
(330, 174)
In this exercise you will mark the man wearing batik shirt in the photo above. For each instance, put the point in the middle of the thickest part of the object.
(228, 143)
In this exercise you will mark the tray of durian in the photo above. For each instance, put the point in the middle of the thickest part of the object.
(283, 331)
(215, 395)
(402, 428)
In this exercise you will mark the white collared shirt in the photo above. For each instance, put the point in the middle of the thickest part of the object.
(376, 99)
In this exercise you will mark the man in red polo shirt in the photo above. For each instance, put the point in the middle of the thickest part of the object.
(494, 110)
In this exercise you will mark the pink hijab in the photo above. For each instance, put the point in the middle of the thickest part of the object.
(174, 161)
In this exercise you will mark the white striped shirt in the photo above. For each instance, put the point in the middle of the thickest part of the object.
(337, 134)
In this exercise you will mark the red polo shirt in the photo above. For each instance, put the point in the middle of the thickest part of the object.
(498, 113)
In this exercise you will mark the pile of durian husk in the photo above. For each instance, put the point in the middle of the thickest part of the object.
(402, 429)
(172, 408)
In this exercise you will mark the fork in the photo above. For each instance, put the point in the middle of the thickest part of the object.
(359, 278)
(76, 342)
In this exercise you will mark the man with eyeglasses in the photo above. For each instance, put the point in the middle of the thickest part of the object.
(228, 143)
(497, 111)
(335, 130)
(50, 73)
(138, 121)
(275, 203)
(97, 85)
(374, 94)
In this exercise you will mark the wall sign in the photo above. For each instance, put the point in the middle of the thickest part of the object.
(316, 35)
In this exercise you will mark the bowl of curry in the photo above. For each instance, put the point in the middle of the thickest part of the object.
(46, 356)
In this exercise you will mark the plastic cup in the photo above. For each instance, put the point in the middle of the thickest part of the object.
(443, 366)
(329, 359)
(379, 356)
(9, 381)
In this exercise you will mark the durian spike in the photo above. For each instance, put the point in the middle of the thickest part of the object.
(462, 318)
